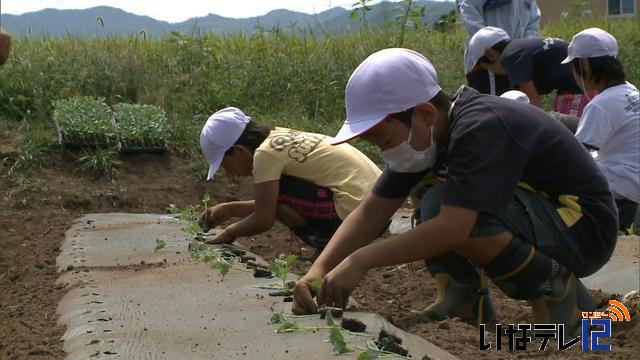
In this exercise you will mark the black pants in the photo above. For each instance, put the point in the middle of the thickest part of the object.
(626, 214)
(315, 204)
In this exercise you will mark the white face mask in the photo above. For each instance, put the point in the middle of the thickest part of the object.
(405, 159)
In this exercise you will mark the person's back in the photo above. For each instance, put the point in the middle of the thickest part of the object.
(533, 66)
(309, 156)
(537, 153)
(538, 59)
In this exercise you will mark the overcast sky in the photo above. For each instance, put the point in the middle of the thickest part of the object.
(180, 10)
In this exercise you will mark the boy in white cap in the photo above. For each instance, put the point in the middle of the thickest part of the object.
(532, 65)
(300, 179)
(610, 123)
(506, 205)
(520, 19)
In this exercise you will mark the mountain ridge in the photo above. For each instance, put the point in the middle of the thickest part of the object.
(115, 21)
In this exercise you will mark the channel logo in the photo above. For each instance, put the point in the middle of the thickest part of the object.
(617, 311)
(602, 321)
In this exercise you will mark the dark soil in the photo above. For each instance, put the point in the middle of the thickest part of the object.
(261, 273)
(391, 343)
(336, 313)
(354, 325)
(281, 293)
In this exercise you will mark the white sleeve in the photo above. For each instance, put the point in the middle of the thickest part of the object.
(594, 126)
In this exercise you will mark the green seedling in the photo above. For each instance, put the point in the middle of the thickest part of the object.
(280, 267)
(336, 338)
(161, 244)
(84, 121)
(288, 325)
(372, 352)
(141, 126)
(315, 287)
(329, 319)
(173, 209)
(223, 264)
(205, 200)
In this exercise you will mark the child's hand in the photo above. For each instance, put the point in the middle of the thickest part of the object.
(303, 302)
(223, 238)
(213, 216)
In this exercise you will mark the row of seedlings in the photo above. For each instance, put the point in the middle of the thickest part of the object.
(88, 122)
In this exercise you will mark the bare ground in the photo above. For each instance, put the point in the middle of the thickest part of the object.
(33, 223)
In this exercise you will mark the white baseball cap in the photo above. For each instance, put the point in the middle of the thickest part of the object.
(592, 42)
(483, 39)
(516, 95)
(387, 82)
(219, 133)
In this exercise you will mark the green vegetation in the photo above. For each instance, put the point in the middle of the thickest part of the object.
(84, 121)
(140, 127)
(100, 162)
(294, 80)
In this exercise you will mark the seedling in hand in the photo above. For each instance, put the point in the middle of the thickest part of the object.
(315, 287)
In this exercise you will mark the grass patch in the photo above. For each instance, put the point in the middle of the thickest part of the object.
(294, 80)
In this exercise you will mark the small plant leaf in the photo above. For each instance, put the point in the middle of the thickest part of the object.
(287, 327)
(160, 244)
(291, 259)
(277, 316)
(315, 286)
(337, 340)
(205, 199)
(173, 209)
(330, 320)
(372, 350)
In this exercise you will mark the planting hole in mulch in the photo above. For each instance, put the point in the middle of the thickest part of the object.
(354, 325)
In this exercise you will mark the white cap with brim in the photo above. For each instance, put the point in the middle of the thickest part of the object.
(218, 135)
(589, 43)
(516, 95)
(387, 82)
(484, 39)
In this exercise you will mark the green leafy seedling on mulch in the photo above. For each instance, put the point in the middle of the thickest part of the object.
(336, 337)
(372, 352)
(281, 266)
(223, 264)
(161, 244)
(287, 325)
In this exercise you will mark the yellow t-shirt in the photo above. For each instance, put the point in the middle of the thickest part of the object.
(342, 168)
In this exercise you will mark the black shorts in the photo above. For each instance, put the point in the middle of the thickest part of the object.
(315, 204)
(534, 219)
